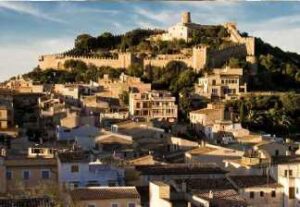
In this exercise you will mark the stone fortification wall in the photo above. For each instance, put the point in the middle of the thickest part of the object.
(57, 61)
(162, 61)
(237, 38)
(197, 61)
(217, 58)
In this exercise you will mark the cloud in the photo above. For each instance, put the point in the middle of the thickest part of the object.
(26, 8)
(23, 57)
(163, 17)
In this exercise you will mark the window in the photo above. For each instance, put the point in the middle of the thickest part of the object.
(114, 205)
(276, 152)
(273, 194)
(297, 190)
(74, 168)
(8, 175)
(288, 172)
(45, 174)
(251, 194)
(262, 193)
(111, 183)
(291, 193)
(131, 204)
(214, 82)
(26, 175)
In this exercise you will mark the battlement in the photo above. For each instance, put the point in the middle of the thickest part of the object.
(57, 60)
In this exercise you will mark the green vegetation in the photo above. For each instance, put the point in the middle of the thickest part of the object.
(177, 78)
(277, 114)
(277, 70)
(86, 44)
(77, 71)
(210, 35)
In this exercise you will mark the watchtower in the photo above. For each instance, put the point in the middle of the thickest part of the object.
(186, 18)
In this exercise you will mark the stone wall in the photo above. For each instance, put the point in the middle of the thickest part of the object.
(57, 61)
(217, 58)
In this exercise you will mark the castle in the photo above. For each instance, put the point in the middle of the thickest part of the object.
(202, 56)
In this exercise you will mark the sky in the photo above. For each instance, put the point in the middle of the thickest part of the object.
(30, 29)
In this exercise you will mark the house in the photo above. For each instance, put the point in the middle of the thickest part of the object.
(183, 171)
(207, 116)
(7, 125)
(74, 119)
(50, 106)
(151, 105)
(113, 143)
(177, 143)
(76, 169)
(217, 192)
(258, 190)
(22, 85)
(224, 83)
(27, 171)
(28, 201)
(286, 171)
(212, 153)
(105, 196)
(273, 148)
(115, 87)
(83, 135)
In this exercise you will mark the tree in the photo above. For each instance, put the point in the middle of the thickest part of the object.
(234, 63)
(85, 42)
(135, 69)
(124, 96)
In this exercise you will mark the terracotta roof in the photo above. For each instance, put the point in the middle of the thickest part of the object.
(248, 181)
(224, 198)
(101, 193)
(32, 202)
(215, 183)
(179, 169)
(286, 159)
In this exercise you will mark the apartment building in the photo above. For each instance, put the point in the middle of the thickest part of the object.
(223, 83)
(150, 105)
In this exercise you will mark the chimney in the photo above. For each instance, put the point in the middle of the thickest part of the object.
(183, 187)
(211, 194)
(202, 143)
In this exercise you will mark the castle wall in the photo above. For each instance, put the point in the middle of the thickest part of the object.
(162, 62)
(57, 61)
(217, 58)
(237, 38)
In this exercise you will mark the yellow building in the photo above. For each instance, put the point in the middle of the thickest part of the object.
(114, 88)
(223, 83)
(153, 105)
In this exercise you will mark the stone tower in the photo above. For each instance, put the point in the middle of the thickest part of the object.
(199, 58)
(186, 18)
